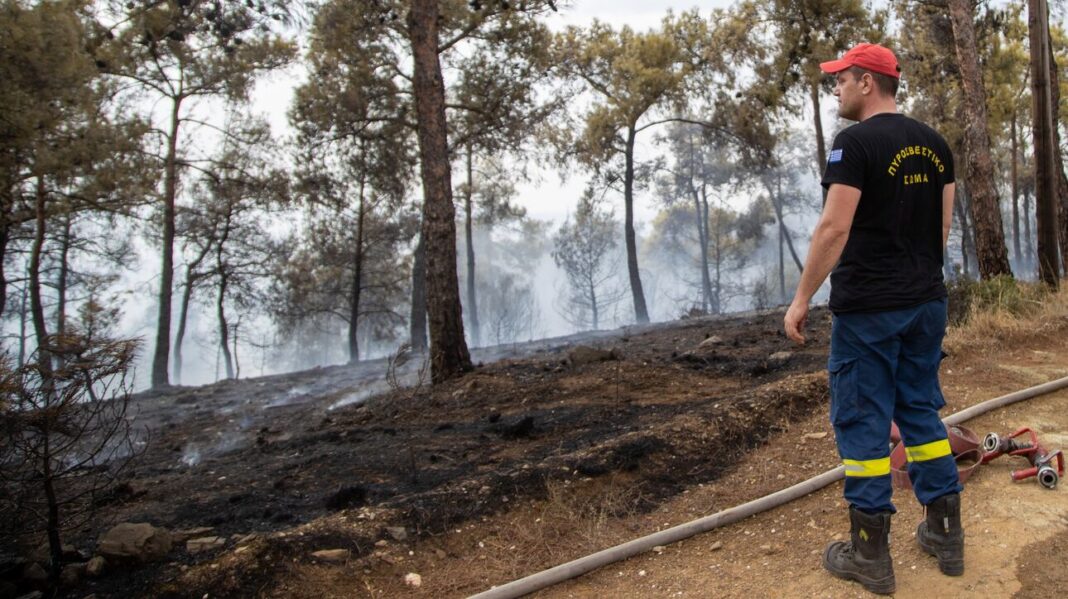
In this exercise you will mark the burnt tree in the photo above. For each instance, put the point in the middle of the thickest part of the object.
(991, 252)
(1042, 131)
(1058, 159)
(449, 356)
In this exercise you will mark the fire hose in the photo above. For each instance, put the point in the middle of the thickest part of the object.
(582, 565)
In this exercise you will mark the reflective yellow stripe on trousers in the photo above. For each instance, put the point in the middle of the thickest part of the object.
(878, 467)
(928, 451)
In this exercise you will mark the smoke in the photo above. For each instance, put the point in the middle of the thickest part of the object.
(358, 397)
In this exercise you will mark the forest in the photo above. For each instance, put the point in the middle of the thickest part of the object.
(157, 230)
(139, 180)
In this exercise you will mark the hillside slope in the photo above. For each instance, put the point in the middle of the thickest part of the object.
(532, 461)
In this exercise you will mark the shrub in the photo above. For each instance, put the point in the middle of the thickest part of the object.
(998, 295)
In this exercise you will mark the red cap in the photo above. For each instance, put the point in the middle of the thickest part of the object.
(872, 57)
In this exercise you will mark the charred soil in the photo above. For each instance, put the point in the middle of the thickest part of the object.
(563, 448)
(302, 462)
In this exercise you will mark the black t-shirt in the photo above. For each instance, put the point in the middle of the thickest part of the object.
(893, 258)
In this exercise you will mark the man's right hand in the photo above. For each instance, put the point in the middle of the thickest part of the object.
(794, 322)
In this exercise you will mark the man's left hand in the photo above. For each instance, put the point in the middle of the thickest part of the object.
(794, 322)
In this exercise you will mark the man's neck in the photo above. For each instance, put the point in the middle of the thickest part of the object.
(879, 106)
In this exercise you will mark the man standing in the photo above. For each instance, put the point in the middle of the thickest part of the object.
(885, 221)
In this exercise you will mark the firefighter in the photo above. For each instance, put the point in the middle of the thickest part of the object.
(885, 221)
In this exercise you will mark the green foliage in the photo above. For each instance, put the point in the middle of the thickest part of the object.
(931, 75)
(56, 121)
(789, 38)
(189, 49)
(44, 72)
(361, 82)
(783, 44)
(630, 74)
(1000, 295)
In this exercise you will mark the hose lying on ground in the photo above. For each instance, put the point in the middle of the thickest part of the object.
(582, 565)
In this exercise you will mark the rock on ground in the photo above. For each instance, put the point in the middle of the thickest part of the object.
(204, 544)
(140, 542)
(332, 555)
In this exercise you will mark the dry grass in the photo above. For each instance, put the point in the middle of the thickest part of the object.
(575, 518)
(583, 517)
(594, 514)
(999, 312)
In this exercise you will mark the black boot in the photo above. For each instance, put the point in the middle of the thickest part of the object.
(941, 535)
(865, 558)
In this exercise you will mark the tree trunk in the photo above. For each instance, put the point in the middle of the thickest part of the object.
(1029, 239)
(793, 250)
(22, 327)
(965, 237)
(472, 307)
(593, 306)
(717, 289)
(191, 278)
(5, 237)
(641, 313)
(947, 265)
(448, 348)
(357, 280)
(224, 329)
(417, 319)
(237, 362)
(782, 266)
(701, 214)
(61, 279)
(1015, 174)
(220, 268)
(991, 252)
(821, 145)
(702, 237)
(1042, 132)
(968, 211)
(707, 274)
(166, 279)
(187, 294)
(40, 328)
(44, 360)
(55, 544)
(779, 214)
(61, 285)
(1058, 159)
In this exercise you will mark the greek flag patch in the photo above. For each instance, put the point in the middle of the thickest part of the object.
(836, 156)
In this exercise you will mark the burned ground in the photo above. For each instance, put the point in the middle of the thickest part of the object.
(666, 406)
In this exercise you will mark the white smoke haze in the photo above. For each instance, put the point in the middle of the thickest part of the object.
(519, 285)
(668, 280)
(358, 397)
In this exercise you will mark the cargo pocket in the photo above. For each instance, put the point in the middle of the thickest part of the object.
(936, 393)
(843, 374)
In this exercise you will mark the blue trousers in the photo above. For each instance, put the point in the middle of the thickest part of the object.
(883, 367)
